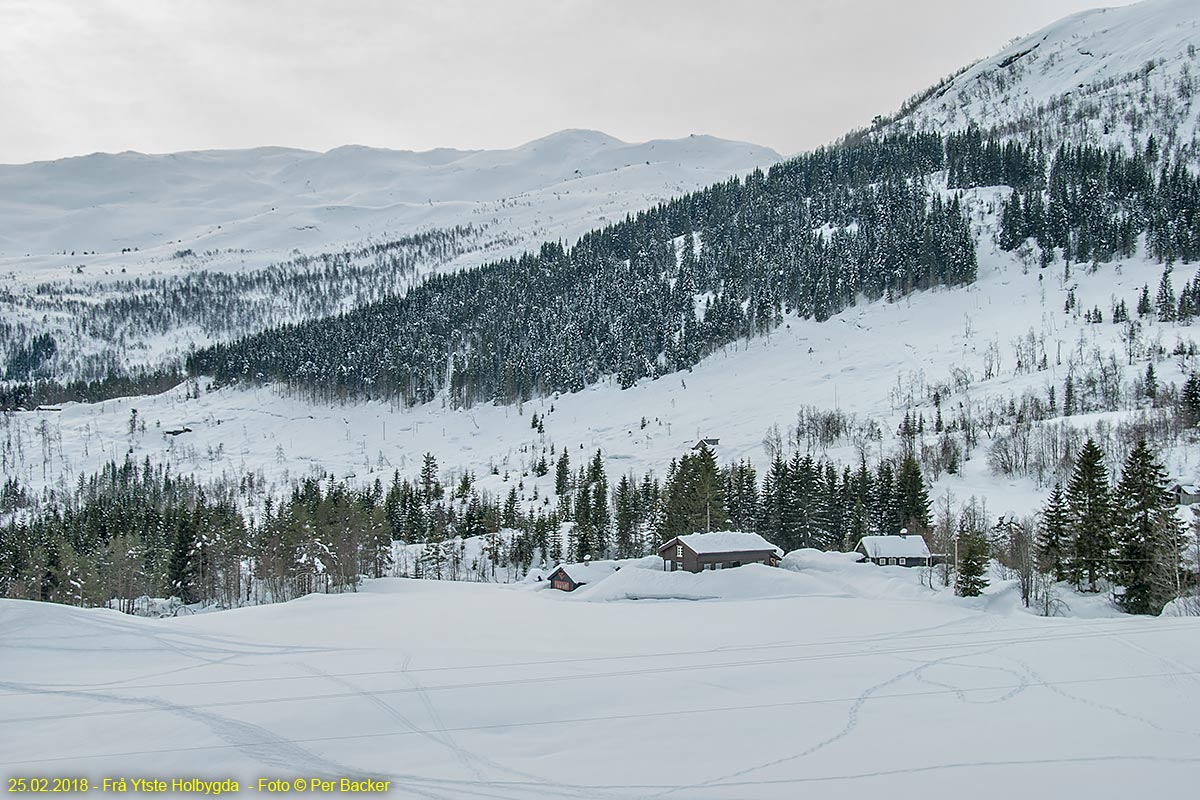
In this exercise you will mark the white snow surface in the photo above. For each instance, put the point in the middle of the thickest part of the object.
(726, 542)
(837, 681)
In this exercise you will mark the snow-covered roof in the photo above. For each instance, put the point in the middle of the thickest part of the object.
(911, 546)
(1190, 488)
(589, 572)
(725, 542)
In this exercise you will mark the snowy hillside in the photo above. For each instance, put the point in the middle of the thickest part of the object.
(978, 347)
(838, 683)
(130, 260)
(1108, 76)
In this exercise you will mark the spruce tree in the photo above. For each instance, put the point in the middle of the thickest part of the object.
(912, 498)
(562, 474)
(885, 518)
(1189, 400)
(1090, 503)
(181, 569)
(510, 508)
(800, 522)
(1166, 297)
(1149, 536)
(774, 501)
(626, 518)
(1053, 542)
(1144, 307)
(431, 489)
(708, 493)
(971, 577)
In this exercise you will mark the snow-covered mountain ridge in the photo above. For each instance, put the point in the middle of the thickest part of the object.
(1110, 76)
(273, 197)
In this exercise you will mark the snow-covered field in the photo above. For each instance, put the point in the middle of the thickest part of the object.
(835, 681)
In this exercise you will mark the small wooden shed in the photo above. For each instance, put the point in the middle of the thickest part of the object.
(569, 577)
(696, 552)
(1186, 494)
(895, 551)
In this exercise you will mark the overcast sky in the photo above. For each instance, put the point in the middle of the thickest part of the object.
(77, 76)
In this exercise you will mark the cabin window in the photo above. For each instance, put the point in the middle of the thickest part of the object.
(679, 551)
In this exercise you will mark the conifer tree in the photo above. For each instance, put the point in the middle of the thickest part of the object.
(832, 511)
(912, 498)
(510, 508)
(694, 499)
(1166, 297)
(709, 497)
(774, 500)
(1149, 537)
(971, 576)
(1189, 400)
(626, 518)
(181, 571)
(1090, 503)
(562, 474)
(1144, 306)
(884, 517)
(800, 522)
(431, 489)
(1053, 542)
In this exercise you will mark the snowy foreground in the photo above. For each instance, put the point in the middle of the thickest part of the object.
(827, 680)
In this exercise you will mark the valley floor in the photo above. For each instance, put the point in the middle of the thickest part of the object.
(826, 686)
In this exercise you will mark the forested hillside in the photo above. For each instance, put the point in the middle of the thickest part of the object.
(646, 297)
(863, 220)
(126, 262)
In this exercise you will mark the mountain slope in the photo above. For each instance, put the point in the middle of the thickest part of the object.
(128, 261)
(106, 202)
(1109, 76)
